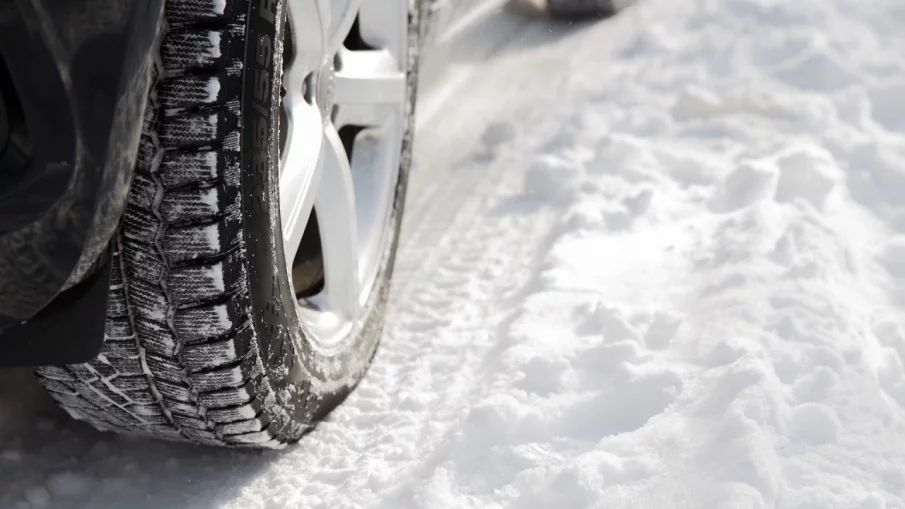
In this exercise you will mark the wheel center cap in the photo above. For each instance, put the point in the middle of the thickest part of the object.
(323, 94)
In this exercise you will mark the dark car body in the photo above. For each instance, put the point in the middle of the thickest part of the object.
(74, 77)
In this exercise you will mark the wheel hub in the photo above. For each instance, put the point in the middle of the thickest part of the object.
(324, 89)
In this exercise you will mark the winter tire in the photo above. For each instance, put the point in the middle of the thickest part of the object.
(252, 267)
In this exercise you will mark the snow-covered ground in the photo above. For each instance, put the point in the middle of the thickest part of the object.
(653, 262)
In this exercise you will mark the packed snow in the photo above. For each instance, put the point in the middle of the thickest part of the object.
(656, 261)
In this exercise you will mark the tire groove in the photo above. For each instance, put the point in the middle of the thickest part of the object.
(171, 307)
(90, 386)
(142, 352)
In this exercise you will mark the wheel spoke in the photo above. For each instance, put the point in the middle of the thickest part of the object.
(375, 167)
(384, 25)
(343, 17)
(336, 214)
(368, 87)
(301, 168)
(309, 21)
(368, 77)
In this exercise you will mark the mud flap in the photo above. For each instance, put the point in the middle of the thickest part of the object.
(69, 330)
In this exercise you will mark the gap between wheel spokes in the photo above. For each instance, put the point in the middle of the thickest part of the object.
(300, 171)
(368, 85)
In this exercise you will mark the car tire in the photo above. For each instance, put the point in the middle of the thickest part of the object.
(203, 339)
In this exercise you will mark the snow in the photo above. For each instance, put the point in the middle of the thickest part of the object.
(213, 89)
(214, 37)
(219, 6)
(656, 261)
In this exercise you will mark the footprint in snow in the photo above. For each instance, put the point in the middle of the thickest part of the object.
(662, 330)
(892, 258)
(889, 334)
(631, 397)
(731, 383)
(817, 69)
(554, 179)
(659, 329)
(751, 182)
(807, 172)
(493, 139)
(575, 483)
(622, 390)
(878, 182)
(597, 318)
(696, 103)
(814, 386)
(891, 375)
(887, 107)
(813, 424)
(543, 375)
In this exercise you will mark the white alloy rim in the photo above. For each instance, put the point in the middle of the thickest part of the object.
(344, 72)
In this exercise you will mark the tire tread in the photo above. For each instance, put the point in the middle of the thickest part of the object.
(180, 354)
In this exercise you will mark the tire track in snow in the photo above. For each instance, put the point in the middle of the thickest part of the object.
(428, 369)
(469, 243)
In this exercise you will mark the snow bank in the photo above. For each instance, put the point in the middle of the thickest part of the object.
(715, 318)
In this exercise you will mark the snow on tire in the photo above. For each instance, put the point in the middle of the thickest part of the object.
(202, 341)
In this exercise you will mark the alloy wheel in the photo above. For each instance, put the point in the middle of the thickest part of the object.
(344, 96)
